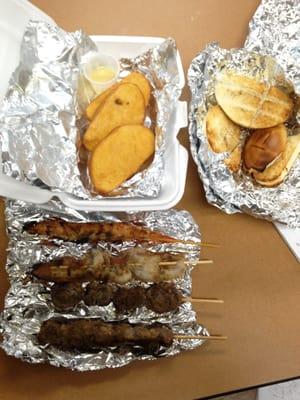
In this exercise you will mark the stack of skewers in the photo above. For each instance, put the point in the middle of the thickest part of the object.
(97, 293)
(100, 278)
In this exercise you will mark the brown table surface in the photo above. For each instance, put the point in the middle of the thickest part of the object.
(253, 271)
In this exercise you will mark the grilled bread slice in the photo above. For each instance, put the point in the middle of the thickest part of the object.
(222, 134)
(263, 146)
(250, 103)
(123, 106)
(119, 156)
(134, 77)
(275, 173)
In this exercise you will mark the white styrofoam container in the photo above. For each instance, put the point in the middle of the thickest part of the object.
(13, 19)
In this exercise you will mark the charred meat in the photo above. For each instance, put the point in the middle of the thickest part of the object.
(94, 334)
(67, 295)
(98, 294)
(94, 232)
(129, 299)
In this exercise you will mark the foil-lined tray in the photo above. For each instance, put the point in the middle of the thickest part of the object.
(28, 303)
(42, 117)
(268, 62)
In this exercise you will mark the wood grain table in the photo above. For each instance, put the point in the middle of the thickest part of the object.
(253, 271)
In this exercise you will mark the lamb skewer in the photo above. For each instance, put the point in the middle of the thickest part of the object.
(93, 232)
(87, 335)
(160, 298)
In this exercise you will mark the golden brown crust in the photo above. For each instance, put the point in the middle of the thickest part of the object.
(250, 103)
(134, 77)
(263, 146)
(233, 162)
(119, 156)
(274, 174)
(93, 107)
(142, 82)
(125, 105)
(222, 134)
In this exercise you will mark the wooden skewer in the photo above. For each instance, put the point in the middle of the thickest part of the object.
(201, 244)
(201, 300)
(199, 262)
(166, 263)
(200, 337)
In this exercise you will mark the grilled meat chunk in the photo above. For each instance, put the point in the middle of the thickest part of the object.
(129, 299)
(67, 295)
(98, 294)
(163, 297)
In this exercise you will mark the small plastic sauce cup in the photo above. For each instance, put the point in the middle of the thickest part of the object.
(101, 71)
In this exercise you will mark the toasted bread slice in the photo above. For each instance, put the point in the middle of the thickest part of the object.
(222, 134)
(263, 146)
(233, 162)
(134, 77)
(92, 108)
(250, 103)
(142, 82)
(274, 174)
(119, 156)
(125, 105)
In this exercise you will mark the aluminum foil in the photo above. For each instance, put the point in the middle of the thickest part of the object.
(271, 55)
(41, 120)
(28, 302)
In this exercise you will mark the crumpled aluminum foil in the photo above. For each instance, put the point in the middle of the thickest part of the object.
(41, 120)
(28, 302)
(271, 55)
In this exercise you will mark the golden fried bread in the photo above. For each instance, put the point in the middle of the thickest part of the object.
(134, 77)
(277, 171)
(263, 146)
(119, 156)
(142, 82)
(125, 105)
(222, 134)
(250, 103)
(233, 162)
(92, 108)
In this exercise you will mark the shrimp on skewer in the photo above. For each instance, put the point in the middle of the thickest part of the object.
(136, 264)
(94, 232)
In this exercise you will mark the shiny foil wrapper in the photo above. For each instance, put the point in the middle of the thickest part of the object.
(42, 117)
(28, 301)
(271, 55)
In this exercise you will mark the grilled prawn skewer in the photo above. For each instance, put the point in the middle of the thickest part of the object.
(100, 265)
(96, 231)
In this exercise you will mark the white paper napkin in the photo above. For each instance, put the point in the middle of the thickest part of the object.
(291, 237)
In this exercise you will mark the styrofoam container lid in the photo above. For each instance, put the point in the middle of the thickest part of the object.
(14, 17)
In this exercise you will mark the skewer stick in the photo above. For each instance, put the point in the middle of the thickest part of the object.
(201, 244)
(166, 263)
(199, 262)
(201, 300)
(200, 337)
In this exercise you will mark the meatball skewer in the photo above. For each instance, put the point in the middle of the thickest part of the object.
(160, 298)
